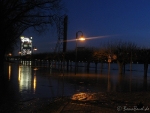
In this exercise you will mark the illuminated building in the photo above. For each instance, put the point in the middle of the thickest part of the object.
(26, 45)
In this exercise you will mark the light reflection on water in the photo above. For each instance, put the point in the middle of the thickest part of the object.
(9, 71)
(34, 83)
(84, 96)
(45, 82)
(25, 78)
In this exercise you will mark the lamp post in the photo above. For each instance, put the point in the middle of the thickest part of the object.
(81, 39)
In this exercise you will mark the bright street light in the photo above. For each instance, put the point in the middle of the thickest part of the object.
(9, 54)
(81, 39)
(34, 48)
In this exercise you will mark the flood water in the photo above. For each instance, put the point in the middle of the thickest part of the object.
(26, 81)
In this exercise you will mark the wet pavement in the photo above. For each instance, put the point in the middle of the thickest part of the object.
(60, 105)
(95, 103)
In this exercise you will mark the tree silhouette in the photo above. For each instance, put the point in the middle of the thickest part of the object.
(143, 55)
(100, 55)
(124, 52)
(19, 15)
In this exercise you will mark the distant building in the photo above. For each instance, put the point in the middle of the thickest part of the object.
(26, 46)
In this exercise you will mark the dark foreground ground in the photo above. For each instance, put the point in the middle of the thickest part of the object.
(82, 103)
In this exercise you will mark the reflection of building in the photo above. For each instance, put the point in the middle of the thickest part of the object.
(25, 78)
(26, 45)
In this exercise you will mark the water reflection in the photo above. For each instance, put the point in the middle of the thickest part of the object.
(34, 83)
(9, 71)
(145, 83)
(19, 73)
(34, 80)
(109, 83)
(130, 81)
(25, 78)
(26, 63)
(45, 81)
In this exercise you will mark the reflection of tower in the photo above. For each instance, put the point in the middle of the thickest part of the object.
(26, 45)
(25, 78)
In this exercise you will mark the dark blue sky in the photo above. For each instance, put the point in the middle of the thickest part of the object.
(126, 20)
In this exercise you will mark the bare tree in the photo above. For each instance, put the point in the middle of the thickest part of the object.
(19, 15)
(123, 51)
(100, 55)
(125, 54)
(143, 55)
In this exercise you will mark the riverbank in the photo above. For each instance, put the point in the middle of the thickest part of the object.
(99, 103)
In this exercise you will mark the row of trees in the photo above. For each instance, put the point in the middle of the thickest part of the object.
(120, 52)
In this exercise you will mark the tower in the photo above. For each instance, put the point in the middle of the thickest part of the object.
(26, 46)
(61, 24)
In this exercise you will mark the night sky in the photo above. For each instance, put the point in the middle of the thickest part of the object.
(126, 20)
